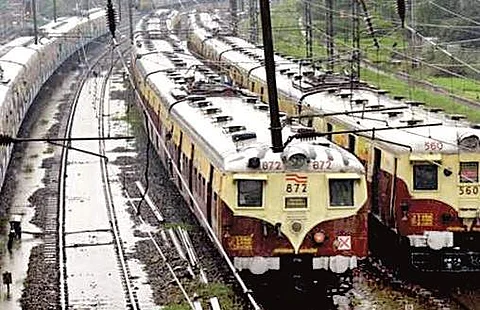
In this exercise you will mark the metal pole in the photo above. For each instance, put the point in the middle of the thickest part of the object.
(130, 19)
(275, 126)
(34, 11)
(233, 10)
(253, 21)
(308, 30)
(330, 35)
(119, 10)
(55, 10)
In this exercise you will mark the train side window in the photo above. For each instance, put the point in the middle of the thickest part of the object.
(351, 143)
(329, 129)
(262, 91)
(250, 193)
(253, 86)
(469, 172)
(341, 192)
(425, 177)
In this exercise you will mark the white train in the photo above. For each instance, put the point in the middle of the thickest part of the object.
(26, 66)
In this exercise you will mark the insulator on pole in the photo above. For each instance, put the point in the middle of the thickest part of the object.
(111, 18)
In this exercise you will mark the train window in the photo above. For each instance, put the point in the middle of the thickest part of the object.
(253, 86)
(469, 172)
(250, 193)
(351, 143)
(425, 177)
(341, 192)
(329, 129)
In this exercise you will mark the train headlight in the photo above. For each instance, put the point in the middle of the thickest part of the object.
(296, 157)
(297, 161)
(319, 237)
(296, 227)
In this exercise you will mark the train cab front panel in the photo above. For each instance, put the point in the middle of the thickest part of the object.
(435, 206)
(272, 213)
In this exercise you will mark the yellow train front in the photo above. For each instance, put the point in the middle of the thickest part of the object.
(305, 206)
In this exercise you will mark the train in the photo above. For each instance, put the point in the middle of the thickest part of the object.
(423, 178)
(25, 65)
(304, 208)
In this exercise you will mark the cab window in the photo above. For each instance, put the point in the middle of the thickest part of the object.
(250, 193)
(425, 177)
(341, 192)
(469, 172)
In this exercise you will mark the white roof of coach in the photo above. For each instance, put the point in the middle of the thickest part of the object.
(65, 24)
(449, 133)
(230, 155)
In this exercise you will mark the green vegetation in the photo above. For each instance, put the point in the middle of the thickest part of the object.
(288, 39)
(224, 294)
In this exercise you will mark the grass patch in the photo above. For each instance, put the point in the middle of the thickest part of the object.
(225, 295)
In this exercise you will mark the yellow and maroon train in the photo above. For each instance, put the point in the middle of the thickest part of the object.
(423, 182)
(268, 211)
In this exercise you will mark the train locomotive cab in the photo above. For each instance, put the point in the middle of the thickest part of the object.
(435, 205)
(307, 203)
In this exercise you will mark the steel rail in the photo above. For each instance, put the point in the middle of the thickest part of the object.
(109, 196)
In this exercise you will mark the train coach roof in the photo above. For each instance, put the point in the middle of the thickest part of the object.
(65, 24)
(207, 123)
(451, 131)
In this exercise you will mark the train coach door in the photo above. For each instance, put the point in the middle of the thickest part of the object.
(209, 196)
(377, 159)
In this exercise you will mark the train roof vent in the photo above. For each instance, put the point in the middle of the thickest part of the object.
(290, 74)
(180, 64)
(475, 126)
(202, 104)
(297, 77)
(211, 111)
(234, 128)
(382, 91)
(289, 57)
(344, 94)
(457, 117)
(178, 93)
(296, 60)
(222, 118)
(434, 109)
(360, 101)
(375, 106)
(196, 98)
(243, 136)
(261, 107)
(398, 97)
(393, 113)
(331, 90)
(203, 69)
(412, 121)
(250, 99)
(283, 71)
(415, 103)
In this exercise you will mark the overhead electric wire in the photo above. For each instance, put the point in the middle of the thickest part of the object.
(454, 13)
